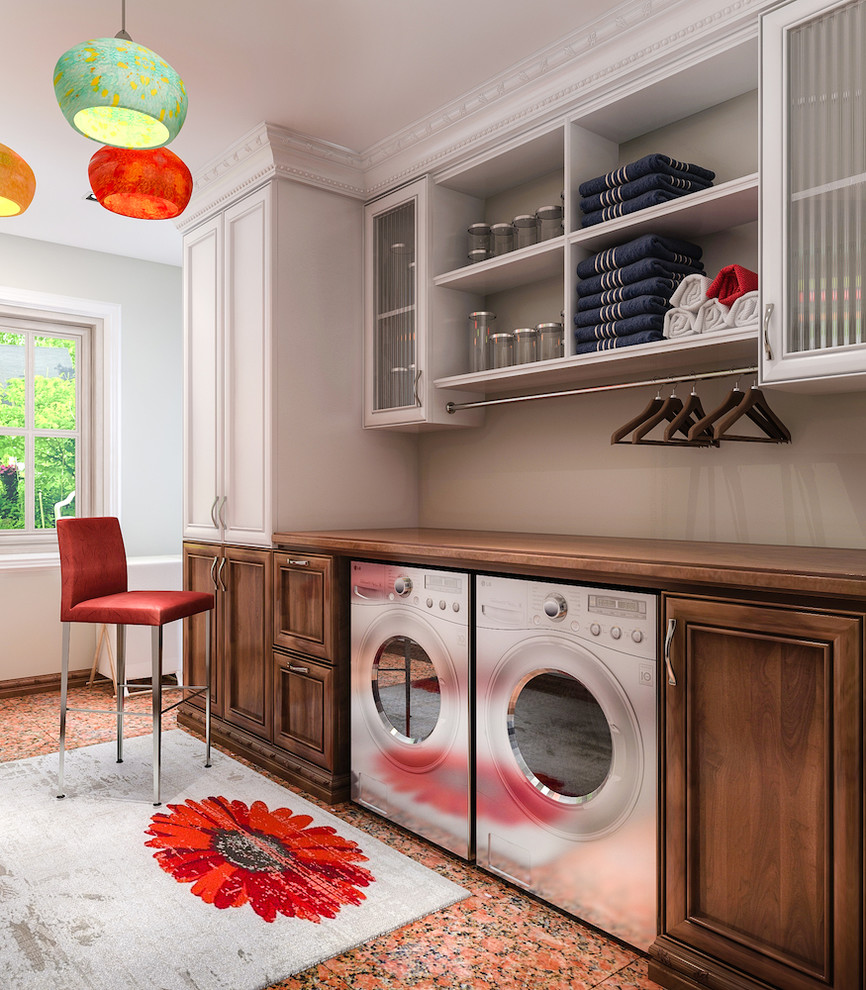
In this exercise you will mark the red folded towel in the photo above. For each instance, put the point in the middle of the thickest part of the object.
(732, 282)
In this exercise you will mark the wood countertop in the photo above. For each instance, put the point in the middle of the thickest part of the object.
(655, 564)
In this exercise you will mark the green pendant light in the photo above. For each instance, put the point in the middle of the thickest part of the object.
(120, 93)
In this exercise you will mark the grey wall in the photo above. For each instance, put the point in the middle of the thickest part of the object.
(151, 367)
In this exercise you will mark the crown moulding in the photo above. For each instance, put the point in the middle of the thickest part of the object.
(588, 68)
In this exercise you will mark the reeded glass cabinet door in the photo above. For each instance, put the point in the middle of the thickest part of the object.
(814, 192)
(395, 307)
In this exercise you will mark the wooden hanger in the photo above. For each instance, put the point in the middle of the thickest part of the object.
(652, 408)
(705, 424)
(755, 406)
(691, 413)
(668, 410)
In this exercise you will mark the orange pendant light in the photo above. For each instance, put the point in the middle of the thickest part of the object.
(151, 184)
(17, 183)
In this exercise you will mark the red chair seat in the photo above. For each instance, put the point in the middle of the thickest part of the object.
(141, 608)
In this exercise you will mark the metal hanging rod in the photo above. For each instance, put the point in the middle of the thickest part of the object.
(453, 407)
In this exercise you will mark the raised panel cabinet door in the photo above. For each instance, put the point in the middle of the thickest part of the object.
(248, 370)
(200, 567)
(303, 620)
(763, 843)
(303, 703)
(203, 372)
(245, 639)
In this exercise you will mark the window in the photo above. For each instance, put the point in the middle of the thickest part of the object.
(44, 425)
(58, 399)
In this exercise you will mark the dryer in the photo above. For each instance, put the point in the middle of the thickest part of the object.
(566, 748)
(411, 701)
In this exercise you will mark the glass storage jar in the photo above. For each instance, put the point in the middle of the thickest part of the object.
(525, 345)
(550, 341)
(480, 326)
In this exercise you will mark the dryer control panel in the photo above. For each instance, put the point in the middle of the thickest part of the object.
(618, 619)
(444, 594)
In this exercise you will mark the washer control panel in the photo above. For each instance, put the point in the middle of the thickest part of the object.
(444, 594)
(621, 620)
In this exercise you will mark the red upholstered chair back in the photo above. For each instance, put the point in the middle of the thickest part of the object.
(92, 560)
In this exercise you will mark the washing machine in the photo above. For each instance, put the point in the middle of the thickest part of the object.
(411, 701)
(566, 748)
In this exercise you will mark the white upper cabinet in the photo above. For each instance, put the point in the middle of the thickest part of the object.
(414, 331)
(813, 180)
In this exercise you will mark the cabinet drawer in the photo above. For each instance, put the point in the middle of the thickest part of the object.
(303, 610)
(303, 708)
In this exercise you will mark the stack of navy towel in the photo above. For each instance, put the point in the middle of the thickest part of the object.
(647, 182)
(624, 291)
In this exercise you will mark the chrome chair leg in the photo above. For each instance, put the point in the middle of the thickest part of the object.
(207, 703)
(64, 678)
(156, 684)
(121, 687)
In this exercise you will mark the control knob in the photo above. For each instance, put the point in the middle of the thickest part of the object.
(403, 586)
(555, 607)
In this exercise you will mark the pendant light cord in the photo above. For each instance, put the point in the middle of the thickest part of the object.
(122, 32)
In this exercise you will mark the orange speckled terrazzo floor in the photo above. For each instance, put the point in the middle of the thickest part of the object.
(496, 939)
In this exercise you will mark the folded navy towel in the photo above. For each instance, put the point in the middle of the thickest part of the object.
(590, 346)
(648, 287)
(646, 183)
(644, 166)
(647, 246)
(646, 268)
(621, 310)
(621, 328)
(635, 205)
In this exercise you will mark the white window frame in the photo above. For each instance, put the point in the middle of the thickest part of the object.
(102, 321)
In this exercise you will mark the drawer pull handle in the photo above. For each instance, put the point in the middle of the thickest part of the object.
(297, 670)
(299, 563)
(672, 678)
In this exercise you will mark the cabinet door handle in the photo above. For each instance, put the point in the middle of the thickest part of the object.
(221, 510)
(415, 387)
(220, 574)
(672, 678)
(213, 574)
(297, 670)
(298, 563)
(216, 499)
(768, 352)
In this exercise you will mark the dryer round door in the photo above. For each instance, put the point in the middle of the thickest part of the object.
(563, 737)
(409, 691)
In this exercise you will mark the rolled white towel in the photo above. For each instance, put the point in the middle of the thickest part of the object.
(744, 310)
(711, 316)
(679, 322)
(691, 293)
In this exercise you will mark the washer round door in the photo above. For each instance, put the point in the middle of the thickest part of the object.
(408, 690)
(563, 737)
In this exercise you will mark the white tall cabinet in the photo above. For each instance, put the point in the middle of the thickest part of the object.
(228, 265)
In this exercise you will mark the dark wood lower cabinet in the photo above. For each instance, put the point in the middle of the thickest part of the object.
(282, 710)
(761, 825)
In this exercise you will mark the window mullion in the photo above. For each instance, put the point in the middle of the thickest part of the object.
(29, 442)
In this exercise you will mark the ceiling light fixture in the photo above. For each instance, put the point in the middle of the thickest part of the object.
(17, 183)
(120, 93)
(145, 184)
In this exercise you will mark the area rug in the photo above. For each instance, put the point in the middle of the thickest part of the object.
(234, 882)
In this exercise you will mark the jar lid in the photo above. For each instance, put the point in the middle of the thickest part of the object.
(479, 228)
(525, 332)
(480, 314)
(525, 220)
(549, 212)
(479, 254)
(500, 336)
(501, 228)
(549, 326)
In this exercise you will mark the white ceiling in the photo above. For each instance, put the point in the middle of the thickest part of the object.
(351, 72)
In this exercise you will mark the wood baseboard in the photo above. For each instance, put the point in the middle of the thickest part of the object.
(19, 686)
(333, 789)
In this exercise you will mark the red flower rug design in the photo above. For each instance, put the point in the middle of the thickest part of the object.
(233, 855)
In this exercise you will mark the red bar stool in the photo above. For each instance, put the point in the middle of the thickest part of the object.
(94, 589)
